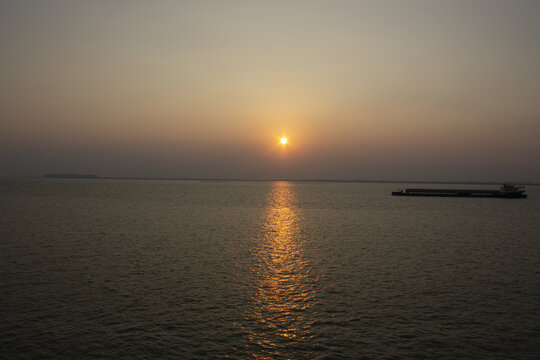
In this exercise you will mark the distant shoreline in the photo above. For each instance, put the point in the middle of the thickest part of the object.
(97, 177)
(71, 176)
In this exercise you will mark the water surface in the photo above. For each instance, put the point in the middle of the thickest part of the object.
(186, 269)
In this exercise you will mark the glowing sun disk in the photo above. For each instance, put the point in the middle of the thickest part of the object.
(283, 140)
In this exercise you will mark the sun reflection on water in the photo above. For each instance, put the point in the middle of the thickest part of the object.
(281, 304)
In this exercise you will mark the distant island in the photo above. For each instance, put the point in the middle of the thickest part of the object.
(72, 176)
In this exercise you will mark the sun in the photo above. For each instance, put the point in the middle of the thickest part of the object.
(283, 140)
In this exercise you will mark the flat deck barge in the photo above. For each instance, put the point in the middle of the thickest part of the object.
(505, 191)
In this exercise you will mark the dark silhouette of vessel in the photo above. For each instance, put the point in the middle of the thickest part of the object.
(507, 191)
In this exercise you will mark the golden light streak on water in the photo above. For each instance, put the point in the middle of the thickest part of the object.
(284, 293)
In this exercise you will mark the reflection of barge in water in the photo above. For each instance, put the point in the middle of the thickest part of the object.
(506, 191)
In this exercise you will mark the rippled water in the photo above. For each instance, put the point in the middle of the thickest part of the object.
(265, 270)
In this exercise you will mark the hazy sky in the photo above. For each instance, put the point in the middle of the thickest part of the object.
(418, 90)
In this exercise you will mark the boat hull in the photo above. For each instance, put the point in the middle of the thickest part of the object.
(501, 196)
(512, 193)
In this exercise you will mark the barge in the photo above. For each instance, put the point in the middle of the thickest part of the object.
(505, 191)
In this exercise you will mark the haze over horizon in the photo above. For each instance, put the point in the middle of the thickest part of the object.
(393, 90)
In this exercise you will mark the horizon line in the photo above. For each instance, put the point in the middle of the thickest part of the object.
(98, 177)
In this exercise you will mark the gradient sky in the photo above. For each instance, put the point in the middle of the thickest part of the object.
(398, 90)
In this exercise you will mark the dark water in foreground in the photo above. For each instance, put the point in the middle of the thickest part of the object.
(158, 269)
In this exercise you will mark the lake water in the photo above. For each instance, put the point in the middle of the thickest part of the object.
(267, 270)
